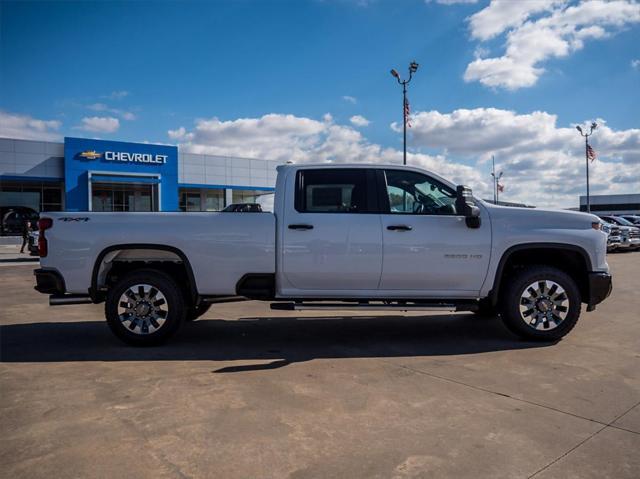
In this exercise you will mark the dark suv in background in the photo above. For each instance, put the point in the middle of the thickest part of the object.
(12, 218)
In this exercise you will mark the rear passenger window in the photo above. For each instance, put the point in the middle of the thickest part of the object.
(331, 191)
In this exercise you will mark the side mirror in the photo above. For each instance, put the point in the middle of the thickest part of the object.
(466, 206)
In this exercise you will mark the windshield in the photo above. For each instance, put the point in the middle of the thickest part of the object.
(622, 221)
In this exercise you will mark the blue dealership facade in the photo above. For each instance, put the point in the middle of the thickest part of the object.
(90, 162)
(83, 174)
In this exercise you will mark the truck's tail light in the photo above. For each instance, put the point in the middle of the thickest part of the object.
(596, 226)
(43, 225)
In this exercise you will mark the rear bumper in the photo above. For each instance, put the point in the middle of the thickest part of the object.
(600, 286)
(49, 281)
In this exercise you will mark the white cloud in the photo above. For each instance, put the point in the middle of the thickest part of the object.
(98, 107)
(116, 95)
(635, 64)
(304, 140)
(99, 124)
(500, 15)
(359, 120)
(538, 30)
(543, 163)
(350, 99)
(25, 127)
(125, 115)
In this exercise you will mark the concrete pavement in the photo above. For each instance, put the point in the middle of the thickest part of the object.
(247, 392)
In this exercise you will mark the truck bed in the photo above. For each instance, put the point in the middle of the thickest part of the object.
(220, 247)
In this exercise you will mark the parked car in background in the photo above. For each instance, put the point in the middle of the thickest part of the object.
(12, 218)
(33, 243)
(613, 235)
(629, 231)
(635, 219)
(243, 208)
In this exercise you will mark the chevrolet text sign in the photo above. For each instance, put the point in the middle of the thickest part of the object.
(88, 161)
(135, 157)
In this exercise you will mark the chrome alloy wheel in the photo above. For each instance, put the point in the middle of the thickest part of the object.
(544, 305)
(143, 309)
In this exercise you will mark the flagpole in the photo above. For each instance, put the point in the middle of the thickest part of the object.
(586, 135)
(586, 158)
(413, 67)
(495, 186)
(404, 123)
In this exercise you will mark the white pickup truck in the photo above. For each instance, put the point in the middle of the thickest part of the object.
(341, 237)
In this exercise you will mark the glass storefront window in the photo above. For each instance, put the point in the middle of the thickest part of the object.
(37, 195)
(245, 196)
(123, 197)
(262, 197)
(214, 200)
(201, 199)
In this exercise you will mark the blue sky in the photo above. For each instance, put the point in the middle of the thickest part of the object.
(158, 66)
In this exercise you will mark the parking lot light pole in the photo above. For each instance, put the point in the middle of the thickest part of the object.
(586, 136)
(413, 67)
(496, 180)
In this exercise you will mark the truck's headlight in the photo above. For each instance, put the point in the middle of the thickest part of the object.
(596, 226)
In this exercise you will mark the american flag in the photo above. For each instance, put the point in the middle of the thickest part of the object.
(500, 188)
(407, 113)
(591, 153)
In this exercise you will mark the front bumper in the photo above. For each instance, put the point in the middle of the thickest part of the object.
(49, 281)
(600, 286)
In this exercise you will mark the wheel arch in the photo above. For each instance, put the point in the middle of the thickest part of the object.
(570, 258)
(96, 292)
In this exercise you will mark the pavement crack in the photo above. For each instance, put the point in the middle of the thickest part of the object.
(526, 401)
(609, 425)
(565, 454)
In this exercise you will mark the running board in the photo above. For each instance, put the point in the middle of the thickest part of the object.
(301, 306)
(222, 299)
(63, 299)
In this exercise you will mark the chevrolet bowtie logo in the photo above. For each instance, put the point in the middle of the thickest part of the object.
(90, 155)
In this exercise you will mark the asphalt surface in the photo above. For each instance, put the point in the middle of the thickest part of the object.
(251, 393)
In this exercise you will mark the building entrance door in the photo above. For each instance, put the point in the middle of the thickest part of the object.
(124, 197)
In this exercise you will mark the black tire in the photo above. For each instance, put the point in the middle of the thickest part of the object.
(169, 298)
(554, 329)
(194, 312)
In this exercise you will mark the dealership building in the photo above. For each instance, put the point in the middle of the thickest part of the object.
(96, 175)
(612, 204)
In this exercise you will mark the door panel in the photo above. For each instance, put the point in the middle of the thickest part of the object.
(438, 253)
(341, 252)
(331, 239)
(428, 249)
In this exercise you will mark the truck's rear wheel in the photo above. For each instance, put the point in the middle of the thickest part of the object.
(541, 303)
(145, 308)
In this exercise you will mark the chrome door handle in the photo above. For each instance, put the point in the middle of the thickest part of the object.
(300, 227)
(399, 228)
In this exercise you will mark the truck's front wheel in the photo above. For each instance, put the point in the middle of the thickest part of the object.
(145, 308)
(541, 303)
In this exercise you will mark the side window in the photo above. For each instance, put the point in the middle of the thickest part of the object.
(413, 193)
(331, 191)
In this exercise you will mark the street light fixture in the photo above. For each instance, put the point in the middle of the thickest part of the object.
(586, 136)
(413, 67)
